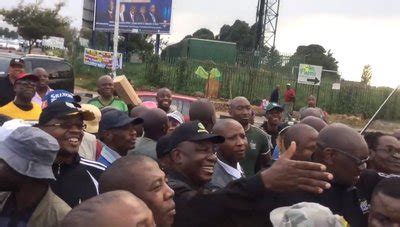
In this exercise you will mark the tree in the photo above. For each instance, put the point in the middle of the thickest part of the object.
(8, 34)
(366, 75)
(314, 54)
(33, 22)
(240, 32)
(203, 33)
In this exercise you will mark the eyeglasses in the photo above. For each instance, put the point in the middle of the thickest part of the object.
(68, 125)
(26, 83)
(357, 160)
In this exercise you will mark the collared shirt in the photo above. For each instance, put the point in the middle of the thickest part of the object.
(107, 155)
(116, 103)
(236, 173)
(37, 99)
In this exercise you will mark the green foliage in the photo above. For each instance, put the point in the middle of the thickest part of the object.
(33, 22)
(8, 33)
(181, 72)
(203, 33)
(366, 75)
(314, 55)
(153, 72)
(240, 33)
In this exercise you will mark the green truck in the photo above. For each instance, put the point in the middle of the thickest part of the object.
(203, 49)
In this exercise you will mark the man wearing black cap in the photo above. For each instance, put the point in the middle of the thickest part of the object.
(117, 135)
(274, 115)
(76, 176)
(22, 106)
(238, 204)
(7, 93)
(26, 156)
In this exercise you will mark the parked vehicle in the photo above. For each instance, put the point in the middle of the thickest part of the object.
(61, 73)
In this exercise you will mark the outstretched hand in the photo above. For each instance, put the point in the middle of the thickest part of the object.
(289, 175)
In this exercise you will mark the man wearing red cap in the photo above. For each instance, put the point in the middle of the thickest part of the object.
(7, 93)
(22, 107)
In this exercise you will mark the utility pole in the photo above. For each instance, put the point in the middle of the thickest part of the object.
(267, 23)
(115, 40)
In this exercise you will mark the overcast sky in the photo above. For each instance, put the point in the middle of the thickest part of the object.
(358, 32)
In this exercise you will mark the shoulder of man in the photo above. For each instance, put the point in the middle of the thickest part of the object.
(95, 169)
(260, 132)
(95, 99)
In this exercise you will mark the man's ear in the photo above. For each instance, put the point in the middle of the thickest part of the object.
(372, 154)
(176, 156)
(328, 156)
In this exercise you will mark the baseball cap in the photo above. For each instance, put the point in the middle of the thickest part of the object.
(30, 151)
(93, 125)
(17, 62)
(59, 95)
(176, 115)
(60, 109)
(306, 214)
(114, 118)
(193, 131)
(28, 76)
(162, 147)
(273, 105)
(288, 84)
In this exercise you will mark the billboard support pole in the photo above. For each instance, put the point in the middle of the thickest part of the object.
(115, 40)
(157, 45)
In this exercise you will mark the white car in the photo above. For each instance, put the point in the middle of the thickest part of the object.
(13, 45)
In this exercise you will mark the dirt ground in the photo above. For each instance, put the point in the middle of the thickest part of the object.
(353, 121)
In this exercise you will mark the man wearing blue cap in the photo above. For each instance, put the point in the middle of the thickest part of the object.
(7, 93)
(26, 156)
(117, 135)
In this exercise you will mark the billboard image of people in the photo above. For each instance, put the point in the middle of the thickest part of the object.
(136, 16)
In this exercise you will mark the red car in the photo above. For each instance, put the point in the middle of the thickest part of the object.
(181, 102)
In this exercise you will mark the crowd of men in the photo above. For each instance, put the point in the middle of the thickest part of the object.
(66, 163)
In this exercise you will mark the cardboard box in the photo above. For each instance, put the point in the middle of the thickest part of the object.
(125, 91)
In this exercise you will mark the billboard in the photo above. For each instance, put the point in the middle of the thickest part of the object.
(136, 16)
(101, 59)
(309, 74)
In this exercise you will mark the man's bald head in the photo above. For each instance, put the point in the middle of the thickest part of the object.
(40, 70)
(396, 134)
(240, 110)
(311, 111)
(104, 79)
(305, 137)
(163, 90)
(344, 151)
(203, 110)
(138, 111)
(143, 177)
(155, 123)
(114, 178)
(117, 209)
(222, 124)
(315, 122)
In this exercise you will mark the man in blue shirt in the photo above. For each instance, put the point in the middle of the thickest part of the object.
(117, 135)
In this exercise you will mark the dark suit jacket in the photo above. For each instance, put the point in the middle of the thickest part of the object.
(142, 18)
(156, 18)
(220, 177)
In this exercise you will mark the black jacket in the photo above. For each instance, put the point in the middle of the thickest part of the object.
(350, 202)
(78, 181)
(7, 93)
(238, 204)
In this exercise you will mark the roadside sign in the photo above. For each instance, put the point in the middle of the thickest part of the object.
(336, 86)
(309, 74)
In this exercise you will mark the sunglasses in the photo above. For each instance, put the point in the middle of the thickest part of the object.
(68, 125)
(357, 160)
